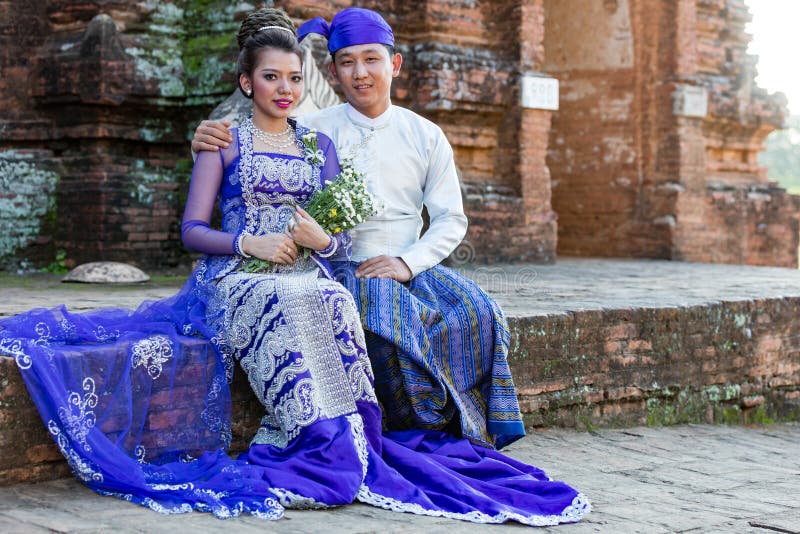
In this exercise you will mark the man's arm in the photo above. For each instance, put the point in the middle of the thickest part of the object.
(442, 198)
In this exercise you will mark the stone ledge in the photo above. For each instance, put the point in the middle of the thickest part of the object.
(731, 362)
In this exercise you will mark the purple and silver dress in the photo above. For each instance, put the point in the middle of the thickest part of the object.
(139, 403)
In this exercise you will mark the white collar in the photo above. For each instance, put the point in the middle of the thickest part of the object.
(359, 119)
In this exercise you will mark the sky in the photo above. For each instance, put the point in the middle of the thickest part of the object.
(775, 30)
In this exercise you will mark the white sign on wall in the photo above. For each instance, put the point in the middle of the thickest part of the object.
(539, 92)
(690, 101)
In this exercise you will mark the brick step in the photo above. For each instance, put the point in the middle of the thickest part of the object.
(594, 343)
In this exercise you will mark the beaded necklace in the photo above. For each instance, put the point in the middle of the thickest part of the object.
(280, 140)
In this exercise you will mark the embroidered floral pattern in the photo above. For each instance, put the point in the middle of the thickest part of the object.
(13, 348)
(102, 336)
(82, 469)
(43, 331)
(152, 353)
(214, 413)
(78, 416)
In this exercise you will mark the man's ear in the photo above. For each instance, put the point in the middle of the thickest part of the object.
(397, 62)
(332, 69)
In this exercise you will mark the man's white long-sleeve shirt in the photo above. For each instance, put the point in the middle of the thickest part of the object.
(407, 163)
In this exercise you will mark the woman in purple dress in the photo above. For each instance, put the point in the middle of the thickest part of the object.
(140, 407)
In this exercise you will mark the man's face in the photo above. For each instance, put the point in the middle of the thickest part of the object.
(365, 73)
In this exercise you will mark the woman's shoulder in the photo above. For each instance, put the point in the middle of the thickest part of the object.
(324, 138)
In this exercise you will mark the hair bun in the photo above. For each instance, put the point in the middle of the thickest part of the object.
(264, 18)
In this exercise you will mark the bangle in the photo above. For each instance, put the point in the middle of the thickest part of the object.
(330, 249)
(237, 245)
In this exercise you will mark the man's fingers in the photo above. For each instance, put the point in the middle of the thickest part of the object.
(372, 270)
(216, 128)
(372, 261)
(209, 140)
(215, 139)
(199, 146)
(210, 135)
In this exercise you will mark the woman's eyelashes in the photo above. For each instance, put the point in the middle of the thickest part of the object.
(272, 77)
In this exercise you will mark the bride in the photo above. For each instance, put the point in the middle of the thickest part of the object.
(141, 411)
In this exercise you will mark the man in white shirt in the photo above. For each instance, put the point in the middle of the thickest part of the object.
(438, 344)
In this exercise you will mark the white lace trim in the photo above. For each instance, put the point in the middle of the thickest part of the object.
(269, 508)
(571, 514)
(360, 441)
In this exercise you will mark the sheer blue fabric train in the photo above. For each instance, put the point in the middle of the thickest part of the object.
(151, 428)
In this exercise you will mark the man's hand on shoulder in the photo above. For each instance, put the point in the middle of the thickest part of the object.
(384, 267)
(212, 135)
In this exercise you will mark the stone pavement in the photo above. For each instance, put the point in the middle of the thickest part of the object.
(698, 479)
(572, 284)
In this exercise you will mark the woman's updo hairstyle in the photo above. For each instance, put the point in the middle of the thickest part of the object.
(253, 39)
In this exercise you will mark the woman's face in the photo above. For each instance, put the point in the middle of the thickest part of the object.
(276, 83)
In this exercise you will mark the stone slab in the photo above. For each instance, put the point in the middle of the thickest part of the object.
(572, 284)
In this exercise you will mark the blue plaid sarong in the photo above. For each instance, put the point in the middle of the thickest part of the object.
(438, 347)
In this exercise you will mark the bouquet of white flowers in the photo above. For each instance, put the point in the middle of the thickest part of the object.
(343, 203)
(340, 206)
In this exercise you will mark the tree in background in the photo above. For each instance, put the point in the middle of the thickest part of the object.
(782, 155)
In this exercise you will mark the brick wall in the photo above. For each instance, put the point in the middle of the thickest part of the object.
(107, 92)
(727, 363)
(632, 174)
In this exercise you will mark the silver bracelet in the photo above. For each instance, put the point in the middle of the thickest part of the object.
(330, 250)
(238, 245)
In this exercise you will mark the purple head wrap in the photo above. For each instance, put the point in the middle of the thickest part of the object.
(351, 26)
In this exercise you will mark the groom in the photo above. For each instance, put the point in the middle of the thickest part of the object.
(438, 344)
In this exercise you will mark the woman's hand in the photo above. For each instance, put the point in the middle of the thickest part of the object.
(277, 248)
(306, 232)
(211, 135)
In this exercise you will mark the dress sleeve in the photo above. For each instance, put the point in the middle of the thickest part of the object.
(442, 197)
(331, 167)
(204, 186)
(339, 249)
